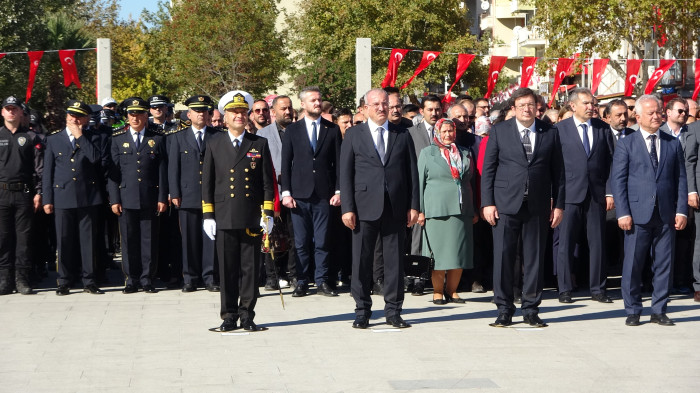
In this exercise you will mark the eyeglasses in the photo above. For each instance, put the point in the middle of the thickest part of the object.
(482, 106)
(395, 107)
(379, 105)
(261, 110)
(357, 122)
(527, 105)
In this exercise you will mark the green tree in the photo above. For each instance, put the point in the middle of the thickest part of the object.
(323, 37)
(212, 47)
(602, 26)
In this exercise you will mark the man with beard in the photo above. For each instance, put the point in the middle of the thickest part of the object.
(216, 119)
(260, 115)
(283, 113)
(395, 107)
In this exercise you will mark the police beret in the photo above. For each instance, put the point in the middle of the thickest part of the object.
(158, 100)
(78, 108)
(11, 100)
(200, 102)
(135, 104)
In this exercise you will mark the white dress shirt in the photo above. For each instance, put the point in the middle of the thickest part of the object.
(373, 129)
(589, 131)
(310, 127)
(521, 132)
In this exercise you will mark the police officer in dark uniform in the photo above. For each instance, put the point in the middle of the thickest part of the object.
(72, 175)
(186, 150)
(159, 108)
(21, 166)
(237, 181)
(138, 193)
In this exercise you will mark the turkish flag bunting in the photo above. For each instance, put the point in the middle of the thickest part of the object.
(664, 65)
(697, 79)
(2, 55)
(395, 59)
(34, 60)
(598, 71)
(563, 66)
(659, 29)
(463, 61)
(632, 77)
(70, 71)
(528, 70)
(428, 57)
(497, 63)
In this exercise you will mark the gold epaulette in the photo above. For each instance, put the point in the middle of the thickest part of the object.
(54, 132)
(173, 131)
(120, 131)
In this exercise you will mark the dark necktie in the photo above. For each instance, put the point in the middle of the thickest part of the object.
(138, 140)
(235, 144)
(586, 142)
(72, 143)
(652, 153)
(381, 148)
(199, 140)
(314, 136)
(526, 144)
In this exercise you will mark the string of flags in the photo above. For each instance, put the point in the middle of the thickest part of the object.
(564, 67)
(67, 58)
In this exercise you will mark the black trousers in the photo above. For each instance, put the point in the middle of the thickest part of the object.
(139, 231)
(76, 231)
(392, 231)
(533, 229)
(197, 249)
(16, 212)
(239, 253)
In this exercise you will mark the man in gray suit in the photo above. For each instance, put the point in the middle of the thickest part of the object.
(422, 135)
(283, 114)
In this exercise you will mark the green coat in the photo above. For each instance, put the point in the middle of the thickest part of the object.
(439, 196)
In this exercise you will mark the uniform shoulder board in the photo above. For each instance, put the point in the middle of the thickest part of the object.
(155, 129)
(54, 132)
(173, 131)
(120, 131)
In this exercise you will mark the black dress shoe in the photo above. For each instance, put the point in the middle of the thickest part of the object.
(457, 300)
(397, 322)
(661, 319)
(565, 297)
(534, 320)
(601, 297)
(228, 325)
(130, 288)
(62, 290)
(272, 285)
(148, 288)
(299, 291)
(504, 319)
(418, 289)
(93, 289)
(632, 320)
(213, 288)
(189, 288)
(325, 290)
(249, 325)
(440, 301)
(360, 322)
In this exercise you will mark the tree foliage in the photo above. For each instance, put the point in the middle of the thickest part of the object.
(601, 26)
(323, 36)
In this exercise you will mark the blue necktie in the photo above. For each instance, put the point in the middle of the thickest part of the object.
(381, 148)
(314, 137)
(652, 153)
(586, 142)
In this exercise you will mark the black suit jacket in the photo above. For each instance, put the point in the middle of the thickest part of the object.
(506, 170)
(185, 162)
(364, 180)
(583, 173)
(235, 185)
(72, 177)
(138, 177)
(306, 172)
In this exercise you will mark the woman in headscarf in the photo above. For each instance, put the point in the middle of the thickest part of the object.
(445, 173)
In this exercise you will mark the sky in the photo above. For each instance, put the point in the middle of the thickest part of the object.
(134, 7)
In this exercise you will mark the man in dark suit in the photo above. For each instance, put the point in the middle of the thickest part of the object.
(693, 177)
(585, 145)
(522, 189)
(379, 188)
(310, 155)
(72, 174)
(651, 198)
(237, 181)
(186, 157)
(138, 193)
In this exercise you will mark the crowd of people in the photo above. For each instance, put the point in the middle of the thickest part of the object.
(251, 193)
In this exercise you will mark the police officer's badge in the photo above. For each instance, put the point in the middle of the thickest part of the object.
(200, 98)
(151, 143)
(134, 102)
(252, 165)
(21, 140)
(125, 145)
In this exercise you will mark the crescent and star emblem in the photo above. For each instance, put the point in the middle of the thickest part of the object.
(398, 56)
(494, 76)
(657, 74)
(633, 79)
(68, 60)
(528, 69)
(562, 75)
(36, 62)
(431, 56)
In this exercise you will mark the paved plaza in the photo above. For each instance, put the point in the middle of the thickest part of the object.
(162, 343)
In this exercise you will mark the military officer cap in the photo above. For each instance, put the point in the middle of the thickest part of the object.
(107, 114)
(158, 100)
(200, 103)
(10, 101)
(109, 102)
(78, 108)
(135, 105)
(235, 99)
(34, 117)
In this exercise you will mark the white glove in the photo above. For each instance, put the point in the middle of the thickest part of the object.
(209, 227)
(267, 227)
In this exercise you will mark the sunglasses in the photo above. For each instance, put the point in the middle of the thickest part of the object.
(157, 106)
(261, 110)
(357, 122)
(681, 111)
